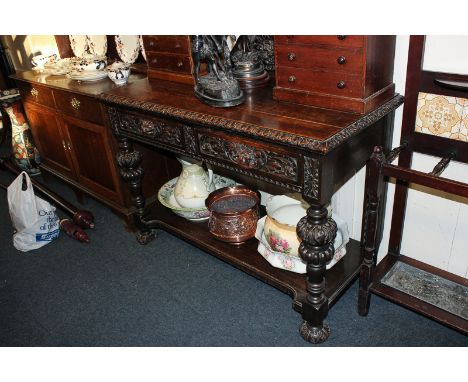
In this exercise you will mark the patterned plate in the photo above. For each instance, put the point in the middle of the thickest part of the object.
(79, 44)
(97, 44)
(128, 47)
(142, 48)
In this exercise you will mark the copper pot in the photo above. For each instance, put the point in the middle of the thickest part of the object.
(233, 214)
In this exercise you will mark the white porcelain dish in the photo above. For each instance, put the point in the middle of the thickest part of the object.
(79, 44)
(128, 47)
(118, 72)
(97, 44)
(142, 48)
(98, 75)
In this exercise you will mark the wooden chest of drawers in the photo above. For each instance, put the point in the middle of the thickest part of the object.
(169, 58)
(349, 73)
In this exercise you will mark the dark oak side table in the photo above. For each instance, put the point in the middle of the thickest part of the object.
(270, 145)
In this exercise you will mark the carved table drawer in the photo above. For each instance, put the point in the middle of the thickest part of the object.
(161, 131)
(344, 41)
(35, 93)
(254, 158)
(171, 44)
(78, 106)
(172, 62)
(344, 84)
(334, 59)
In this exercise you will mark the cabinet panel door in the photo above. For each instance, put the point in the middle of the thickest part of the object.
(49, 138)
(92, 157)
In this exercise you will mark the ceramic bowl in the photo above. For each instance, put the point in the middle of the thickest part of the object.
(41, 60)
(283, 214)
(118, 72)
(88, 63)
(293, 263)
(167, 199)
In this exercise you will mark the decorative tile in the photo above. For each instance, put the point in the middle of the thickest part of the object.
(463, 136)
(439, 115)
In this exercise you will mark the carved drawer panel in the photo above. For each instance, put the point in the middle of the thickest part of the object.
(270, 161)
(160, 130)
(78, 106)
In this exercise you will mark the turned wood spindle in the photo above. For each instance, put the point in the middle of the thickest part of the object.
(392, 155)
(442, 165)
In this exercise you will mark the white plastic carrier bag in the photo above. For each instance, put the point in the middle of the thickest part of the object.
(34, 219)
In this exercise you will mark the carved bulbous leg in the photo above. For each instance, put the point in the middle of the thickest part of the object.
(317, 231)
(129, 161)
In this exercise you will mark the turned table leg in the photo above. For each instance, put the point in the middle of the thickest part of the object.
(317, 231)
(129, 161)
(369, 244)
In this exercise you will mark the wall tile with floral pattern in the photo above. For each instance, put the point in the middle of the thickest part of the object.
(463, 136)
(439, 115)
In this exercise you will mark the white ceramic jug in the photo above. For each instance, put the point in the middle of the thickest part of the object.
(193, 186)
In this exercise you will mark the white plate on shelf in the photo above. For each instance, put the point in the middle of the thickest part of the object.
(128, 47)
(142, 48)
(79, 44)
(97, 44)
(99, 75)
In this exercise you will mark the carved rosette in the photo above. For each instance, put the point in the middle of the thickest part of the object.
(311, 177)
(249, 157)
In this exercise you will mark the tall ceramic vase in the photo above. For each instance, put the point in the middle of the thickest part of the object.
(24, 150)
(193, 185)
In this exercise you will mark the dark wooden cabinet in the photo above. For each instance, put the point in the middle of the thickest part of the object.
(50, 139)
(70, 132)
(347, 73)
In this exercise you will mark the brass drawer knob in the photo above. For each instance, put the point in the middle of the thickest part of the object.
(292, 79)
(180, 64)
(341, 85)
(291, 56)
(341, 60)
(341, 37)
(75, 103)
(34, 92)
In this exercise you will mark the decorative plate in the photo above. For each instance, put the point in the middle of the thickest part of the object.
(79, 44)
(128, 47)
(167, 199)
(142, 48)
(87, 76)
(97, 44)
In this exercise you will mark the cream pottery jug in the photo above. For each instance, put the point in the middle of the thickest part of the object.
(193, 185)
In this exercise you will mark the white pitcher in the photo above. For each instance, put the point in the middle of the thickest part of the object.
(193, 186)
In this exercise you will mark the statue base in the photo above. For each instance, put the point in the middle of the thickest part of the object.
(249, 70)
(225, 92)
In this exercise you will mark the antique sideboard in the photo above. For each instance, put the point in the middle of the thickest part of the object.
(271, 145)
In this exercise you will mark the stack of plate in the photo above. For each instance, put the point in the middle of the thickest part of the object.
(87, 76)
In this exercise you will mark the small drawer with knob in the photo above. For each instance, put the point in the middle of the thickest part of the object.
(168, 44)
(334, 40)
(345, 84)
(78, 106)
(178, 63)
(36, 93)
(349, 60)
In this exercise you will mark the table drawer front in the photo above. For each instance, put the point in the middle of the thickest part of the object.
(265, 160)
(343, 41)
(78, 106)
(172, 62)
(333, 59)
(320, 81)
(170, 44)
(36, 93)
(155, 129)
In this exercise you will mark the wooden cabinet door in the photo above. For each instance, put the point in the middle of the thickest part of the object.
(92, 157)
(49, 138)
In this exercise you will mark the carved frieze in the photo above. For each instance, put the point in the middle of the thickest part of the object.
(249, 157)
(190, 142)
(151, 128)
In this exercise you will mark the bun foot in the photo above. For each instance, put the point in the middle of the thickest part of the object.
(144, 237)
(315, 335)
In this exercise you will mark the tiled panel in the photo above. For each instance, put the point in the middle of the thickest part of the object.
(440, 115)
(463, 136)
